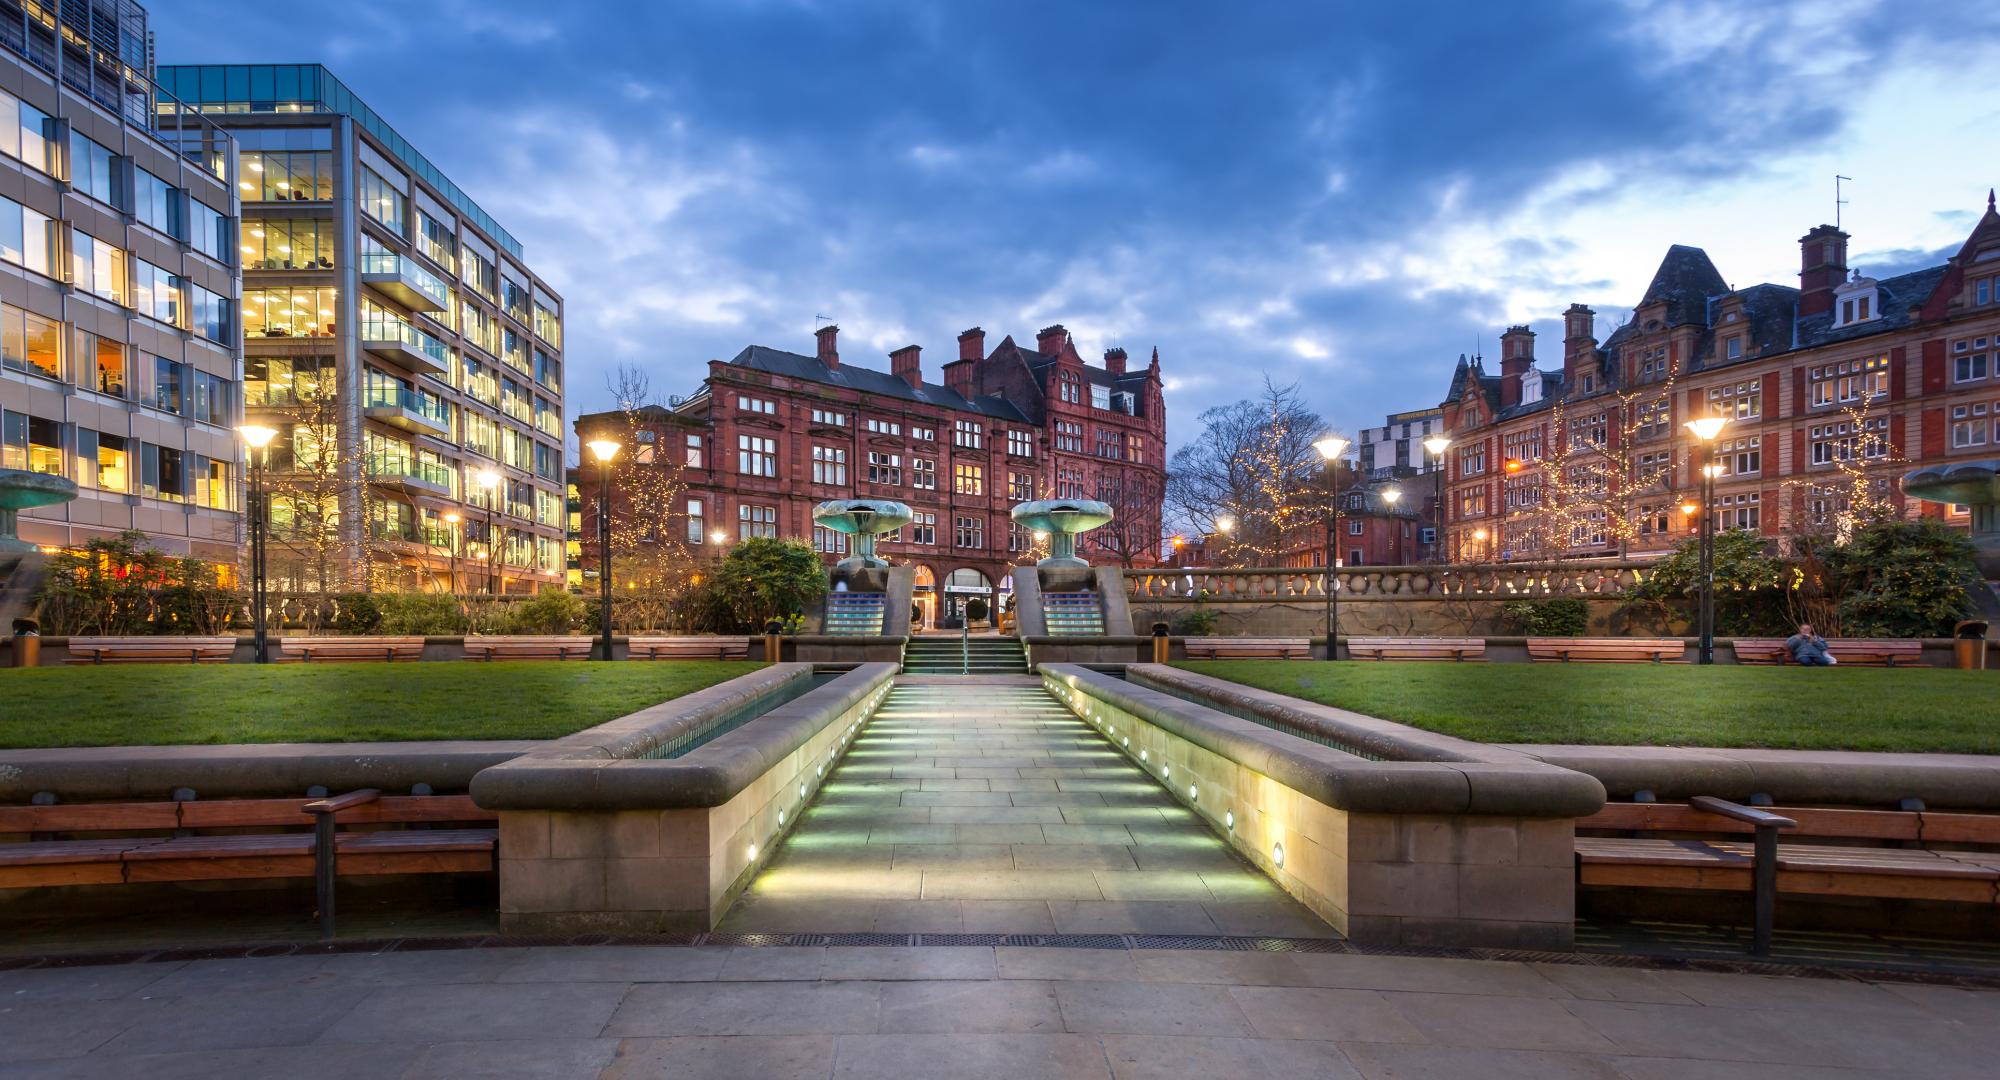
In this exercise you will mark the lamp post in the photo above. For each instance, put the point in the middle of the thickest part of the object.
(453, 518)
(604, 450)
(1437, 445)
(1392, 496)
(1705, 430)
(489, 482)
(1330, 449)
(258, 439)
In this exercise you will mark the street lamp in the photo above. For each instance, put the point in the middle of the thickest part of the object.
(1392, 496)
(604, 450)
(1706, 430)
(1437, 445)
(1330, 449)
(489, 481)
(258, 439)
(452, 518)
(1479, 537)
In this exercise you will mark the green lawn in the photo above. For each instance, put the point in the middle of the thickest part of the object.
(245, 703)
(1927, 709)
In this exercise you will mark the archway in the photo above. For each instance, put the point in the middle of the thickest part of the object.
(924, 598)
(963, 585)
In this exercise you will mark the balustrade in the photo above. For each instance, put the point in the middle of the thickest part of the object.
(1458, 581)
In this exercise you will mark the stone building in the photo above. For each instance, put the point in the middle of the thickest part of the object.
(771, 433)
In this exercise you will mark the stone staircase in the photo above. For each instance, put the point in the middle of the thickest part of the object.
(1066, 613)
(965, 656)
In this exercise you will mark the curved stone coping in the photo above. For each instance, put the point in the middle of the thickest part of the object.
(1490, 782)
(1821, 777)
(246, 770)
(594, 769)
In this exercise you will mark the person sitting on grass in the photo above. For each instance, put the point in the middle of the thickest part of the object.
(1809, 648)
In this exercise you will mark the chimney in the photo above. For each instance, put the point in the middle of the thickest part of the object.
(958, 376)
(1822, 265)
(1579, 333)
(972, 344)
(906, 363)
(1517, 356)
(1051, 339)
(828, 337)
(1114, 361)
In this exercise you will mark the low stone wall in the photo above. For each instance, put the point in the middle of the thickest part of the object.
(247, 771)
(1388, 617)
(595, 836)
(811, 648)
(1393, 835)
(1875, 781)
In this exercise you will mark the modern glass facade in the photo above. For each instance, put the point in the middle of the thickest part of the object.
(430, 355)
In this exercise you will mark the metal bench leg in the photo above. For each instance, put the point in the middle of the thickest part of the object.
(1764, 889)
(325, 867)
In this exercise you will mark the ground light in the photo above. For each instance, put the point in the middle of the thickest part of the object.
(1229, 820)
(753, 853)
(1193, 794)
(1278, 854)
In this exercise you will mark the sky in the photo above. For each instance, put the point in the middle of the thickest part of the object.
(1343, 194)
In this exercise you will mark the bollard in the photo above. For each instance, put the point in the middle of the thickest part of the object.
(1161, 643)
(773, 649)
(1969, 644)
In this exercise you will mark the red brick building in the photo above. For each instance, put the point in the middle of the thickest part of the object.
(1833, 389)
(772, 433)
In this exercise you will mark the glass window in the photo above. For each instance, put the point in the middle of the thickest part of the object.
(100, 364)
(89, 168)
(548, 371)
(479, 273)
(153, 202)
(208, 230)
(156, 293)
(756, 455)
(282, 244)
(24, 237)
(285, 380)
(300, 312)
(31, 343)
(381, 200)
(548, 324)
(694, 452)
(207, 397)
(114, 463)
(168, 379)
(755, 521)
(286, 176)
(209, 315)
(161, 473)
(97, 268)
(35, 147)
(435, 240)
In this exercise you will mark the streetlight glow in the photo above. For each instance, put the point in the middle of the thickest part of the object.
(1437, 445)
(1708, 427)
(1225, 524)
(603, 449)
(1331, 447)
(257, 435)
(1392, 496)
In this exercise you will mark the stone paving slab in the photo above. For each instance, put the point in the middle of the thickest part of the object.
(973, 1011)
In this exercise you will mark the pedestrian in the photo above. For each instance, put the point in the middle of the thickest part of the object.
(1808, 648)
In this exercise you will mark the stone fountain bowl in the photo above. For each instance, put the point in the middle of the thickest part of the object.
(861, 515)
(1967, 483)
(1063, 515)
(21, 490)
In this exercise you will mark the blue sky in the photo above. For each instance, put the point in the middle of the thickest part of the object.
(1347, 194)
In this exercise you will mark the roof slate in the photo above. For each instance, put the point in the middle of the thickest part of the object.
(873, 382)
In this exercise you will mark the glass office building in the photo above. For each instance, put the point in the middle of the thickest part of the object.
(395, 337)
(120, 351)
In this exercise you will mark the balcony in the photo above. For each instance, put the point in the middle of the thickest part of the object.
(399, 278)
(407, 409)
(405, 346)
(410, 475)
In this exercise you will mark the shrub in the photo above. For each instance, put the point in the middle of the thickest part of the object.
(1897, 578)
(555, 611)
(764, 578)
(1559, 617)
(427, 614)
(975, 610)
(1752, 585)
(1197, 622)
(124, 586)
(356, 613)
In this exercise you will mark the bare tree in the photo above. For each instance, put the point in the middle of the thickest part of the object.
(1601, 479)
(1252, 478)
(308, 477)
(651, 563)
(1133, 534)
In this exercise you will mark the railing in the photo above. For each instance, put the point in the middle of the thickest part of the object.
(388, 397)
(429, 472)
(395, 329)
(390, 262)
(1458, 581)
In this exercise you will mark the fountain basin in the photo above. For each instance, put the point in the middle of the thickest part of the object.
(862, 519)
(1062, 519)
(23, 490)
(1974, 484)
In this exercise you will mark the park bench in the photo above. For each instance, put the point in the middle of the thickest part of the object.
(1699, 860)
(56, 847)
(151, 650)
(528, 648)
(1416, 648)
(1583, 650)
(386, 649)
(689, 648)
(1245, 648)
(1862, 652)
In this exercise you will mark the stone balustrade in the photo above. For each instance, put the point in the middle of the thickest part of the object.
(1364, 584)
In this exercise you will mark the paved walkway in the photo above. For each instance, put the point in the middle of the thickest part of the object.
(1005, 1013)
(981, 805)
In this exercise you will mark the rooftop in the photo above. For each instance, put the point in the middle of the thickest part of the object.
(292, 88)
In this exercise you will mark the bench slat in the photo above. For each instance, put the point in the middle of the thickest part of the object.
(88, 817)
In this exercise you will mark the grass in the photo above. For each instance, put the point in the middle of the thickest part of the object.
(1910, 710)
(243, 703)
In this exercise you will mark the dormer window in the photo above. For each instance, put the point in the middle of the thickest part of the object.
(1733, 349)
(1855, 301)
(1531, 386)
(1985, 291)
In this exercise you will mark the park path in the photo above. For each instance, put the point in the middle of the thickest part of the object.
(981, 805)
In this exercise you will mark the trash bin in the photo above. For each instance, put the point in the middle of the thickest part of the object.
(1970, 644)
(27, 643)
(1161, 643)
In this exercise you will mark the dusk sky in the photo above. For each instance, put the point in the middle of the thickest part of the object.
(1345, 194)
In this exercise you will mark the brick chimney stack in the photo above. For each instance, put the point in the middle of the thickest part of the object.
(1114, 361)
(829, 353)
(1517, 356)
(906, 363)
(1579, 334)
(972, 344)
(1822, 265)
(1051, 339)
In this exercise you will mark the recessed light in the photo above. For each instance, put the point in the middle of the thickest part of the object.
(1278, 854)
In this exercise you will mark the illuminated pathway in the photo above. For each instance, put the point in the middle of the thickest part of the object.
(981, 805)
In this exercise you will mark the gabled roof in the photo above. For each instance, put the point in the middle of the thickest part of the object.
(1684, 282)
(872, 382)
(1039, 362)
(1895, 299)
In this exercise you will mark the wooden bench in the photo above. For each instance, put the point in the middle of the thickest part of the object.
(689, 648)
(529, 648)
(1242, 648)
(1861, 652)
(1765, 869)
(1584, 650)
(167, 848)
(151, 650)
(386, 649)
(1416, 648)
